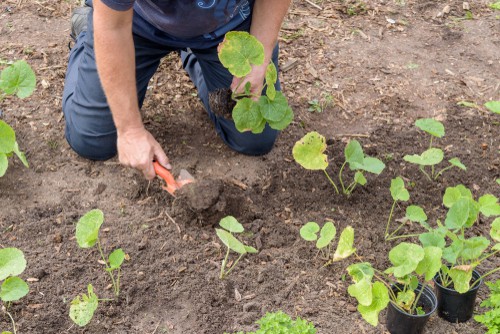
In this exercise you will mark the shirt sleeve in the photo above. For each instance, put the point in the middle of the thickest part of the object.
(121, 5)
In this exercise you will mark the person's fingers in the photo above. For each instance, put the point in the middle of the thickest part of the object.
(234, 83)
(161, 157)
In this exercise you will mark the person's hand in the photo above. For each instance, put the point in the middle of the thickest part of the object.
(137, 148)
(255, 77)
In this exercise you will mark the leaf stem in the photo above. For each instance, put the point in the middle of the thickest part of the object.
(442, 171)
(11, 319)
(425, 173)
(340, 177)
(108, 268)
(331, 181)
(487, 256)
(224, 262)
(401, 236)
(234, 264)
(483, 276)
(389, 220)
(418, 298)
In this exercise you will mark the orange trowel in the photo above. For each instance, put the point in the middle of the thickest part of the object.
(172, 184)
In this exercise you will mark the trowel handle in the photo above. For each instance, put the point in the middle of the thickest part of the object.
(165, 175)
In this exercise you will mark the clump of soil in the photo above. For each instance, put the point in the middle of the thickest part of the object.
(221, 103)
(201, 195)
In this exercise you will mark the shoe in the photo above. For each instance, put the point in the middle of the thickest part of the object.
(79, 21)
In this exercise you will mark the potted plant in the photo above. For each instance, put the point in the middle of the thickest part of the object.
(457, 282)
(410, 303)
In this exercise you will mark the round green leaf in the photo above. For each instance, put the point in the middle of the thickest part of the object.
(230, 241)
(372, 165)
(458, 214)
(493, 106)
(273, 110)
(345, 247)
(495, 230)
(239, 51)
(488, 205)
(473, 248)
(326, 235)
(230, 224)
(7, 138)
(116, 258)
(18, 79)
(453, 194)
(247, 116)
(431, 263)
(431, 157)
(271, 78)
(308, 152)
(354, 155)
(283, 123)
(431, 126)
(359, 178)
(362, 274)
(415, 213)
(405, 258)
(457, 163)
(87, 228)
(398, 190)
(13, 288)
(4, 164)
(308, 231)
(83, 307)
(433, 238)
(380, 299)
(461, 277)
(12, 262)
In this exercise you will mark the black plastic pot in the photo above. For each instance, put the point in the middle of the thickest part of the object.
(399, 322)
(454, 306)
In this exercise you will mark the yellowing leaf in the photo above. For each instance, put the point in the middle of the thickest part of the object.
(239, 51)
(308, 152)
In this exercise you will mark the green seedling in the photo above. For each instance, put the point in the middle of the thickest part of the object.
(315, 106)
(324, 243)
(13, 288)
(399, 284)
(238, 53)
(432, 156)
(309, 153)
(16, 79)
(282, 323)
(414, 213)
(493, 106)
(463, 254)
(491, 318)
(495, 5)
(229, 226)
(87, 236)
(468, 104)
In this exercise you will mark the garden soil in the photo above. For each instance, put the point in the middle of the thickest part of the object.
(374, 67)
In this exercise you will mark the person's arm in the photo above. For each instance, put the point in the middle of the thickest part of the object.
(115, 59)
(267, 17)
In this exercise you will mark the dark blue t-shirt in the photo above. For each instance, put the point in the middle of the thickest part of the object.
(189, 19)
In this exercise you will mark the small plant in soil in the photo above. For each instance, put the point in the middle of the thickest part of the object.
(433, 155)
(87, 235)
(309, 153)
(399, 284)
(324, 243)
(491, 318)
(16, 79)
(229, 226)
(281, 323)
(463, 254)
(238, 53)
(13, 288)
(414, 213)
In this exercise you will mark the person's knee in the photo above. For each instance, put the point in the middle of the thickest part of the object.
(90, 145)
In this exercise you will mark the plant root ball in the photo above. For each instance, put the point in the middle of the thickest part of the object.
(221, 103)
(202, 194)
